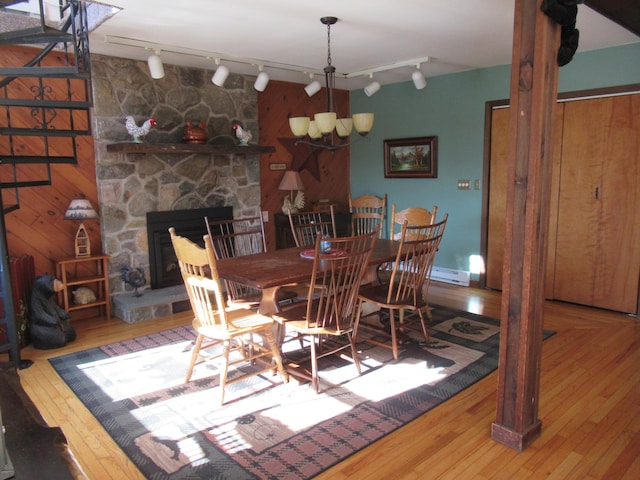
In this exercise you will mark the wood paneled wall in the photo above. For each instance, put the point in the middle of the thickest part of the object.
(38, 227)
(276, 104)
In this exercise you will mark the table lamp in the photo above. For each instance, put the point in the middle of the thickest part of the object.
(291, 181)
(81, 209)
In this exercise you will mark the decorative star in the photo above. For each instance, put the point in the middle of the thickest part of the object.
(304, 156)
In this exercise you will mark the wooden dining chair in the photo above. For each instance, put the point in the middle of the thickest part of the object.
(408, 285)
(235, 238)
(229, 336)
(331, 314)
(413, 215)
(306, 225)
(367, 211)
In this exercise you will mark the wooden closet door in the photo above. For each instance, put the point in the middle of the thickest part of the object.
(498, 198)
(597, 259)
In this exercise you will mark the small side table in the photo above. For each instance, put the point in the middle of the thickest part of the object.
(91, 272)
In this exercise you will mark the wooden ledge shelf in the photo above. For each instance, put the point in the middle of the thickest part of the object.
(169, 148)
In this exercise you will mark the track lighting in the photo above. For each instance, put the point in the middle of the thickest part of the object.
(221, 74)
(372, 88)
(313, 87)
(261, 81)
(418, 78)
(156, 69)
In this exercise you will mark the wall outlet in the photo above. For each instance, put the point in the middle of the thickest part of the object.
(477, 184)
(265, 216)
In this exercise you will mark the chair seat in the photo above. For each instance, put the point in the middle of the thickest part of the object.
(243, 322)
(291, 319)
(378, 294)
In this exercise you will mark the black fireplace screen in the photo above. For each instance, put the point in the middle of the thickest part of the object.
(188, 223)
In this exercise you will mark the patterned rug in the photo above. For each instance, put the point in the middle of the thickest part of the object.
(268, 429)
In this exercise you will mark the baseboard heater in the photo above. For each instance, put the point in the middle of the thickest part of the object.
(447, 275)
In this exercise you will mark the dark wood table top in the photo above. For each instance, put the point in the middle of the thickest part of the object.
(286, 266)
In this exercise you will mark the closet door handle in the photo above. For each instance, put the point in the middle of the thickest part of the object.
(597, 192)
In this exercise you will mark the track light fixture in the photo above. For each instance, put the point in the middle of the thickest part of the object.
(156, 69)
(372, 88)
(313, 87)
(261, 81)
(221, 74)
(418, 78)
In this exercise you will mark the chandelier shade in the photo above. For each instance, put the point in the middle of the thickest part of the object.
(363, 122)
(324, 124)
(314, 132)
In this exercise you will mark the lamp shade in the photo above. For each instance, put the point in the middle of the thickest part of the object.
(363, 122)
(261, 81)
(326, 121)
(291, 181)
(220, 76)
(343, 127)
(314, 131)
(156, 69)
(299, 126)
(80, 209)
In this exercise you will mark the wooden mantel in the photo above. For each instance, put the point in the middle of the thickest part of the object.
(169, 148)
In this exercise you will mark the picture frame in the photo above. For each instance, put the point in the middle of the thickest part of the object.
(411, 157)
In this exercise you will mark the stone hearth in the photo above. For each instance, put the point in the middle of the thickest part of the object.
(152, 304)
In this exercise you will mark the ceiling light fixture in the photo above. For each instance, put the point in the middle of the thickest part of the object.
(418, 78)
(327, 121)
(313, 87)
(262, 80)
(156, 69)
(372, 88)
(221, 74)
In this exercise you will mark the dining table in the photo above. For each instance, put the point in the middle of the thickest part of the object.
(272, 270)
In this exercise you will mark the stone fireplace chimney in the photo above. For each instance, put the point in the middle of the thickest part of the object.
(131, 184)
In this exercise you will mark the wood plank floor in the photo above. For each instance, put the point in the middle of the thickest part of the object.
(589, 406)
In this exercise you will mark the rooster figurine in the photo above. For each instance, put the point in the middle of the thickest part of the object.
(243, 136)
(138, 132)
(134, 277)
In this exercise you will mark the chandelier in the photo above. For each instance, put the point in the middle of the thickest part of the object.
(320, 130)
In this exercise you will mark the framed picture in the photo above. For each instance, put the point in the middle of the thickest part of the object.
(411, 158)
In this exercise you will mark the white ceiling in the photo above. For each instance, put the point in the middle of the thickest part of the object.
(456, 34)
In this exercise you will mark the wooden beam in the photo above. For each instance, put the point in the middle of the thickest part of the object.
(625, 13)
(534, 78)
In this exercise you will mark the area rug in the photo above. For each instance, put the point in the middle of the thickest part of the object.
(268, 429)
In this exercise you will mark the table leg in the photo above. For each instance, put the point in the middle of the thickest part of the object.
(268, 302)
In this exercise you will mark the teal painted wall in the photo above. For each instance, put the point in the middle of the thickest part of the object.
(451, 107)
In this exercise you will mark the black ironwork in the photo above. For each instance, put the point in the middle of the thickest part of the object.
(51, 115)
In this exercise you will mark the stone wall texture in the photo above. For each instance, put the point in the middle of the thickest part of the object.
(130, 185)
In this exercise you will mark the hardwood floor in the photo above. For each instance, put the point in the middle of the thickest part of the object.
(589, 406)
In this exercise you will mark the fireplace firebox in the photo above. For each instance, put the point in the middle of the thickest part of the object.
(190, 223)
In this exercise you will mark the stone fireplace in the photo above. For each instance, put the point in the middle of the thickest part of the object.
(131, 185)
(189, 224)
